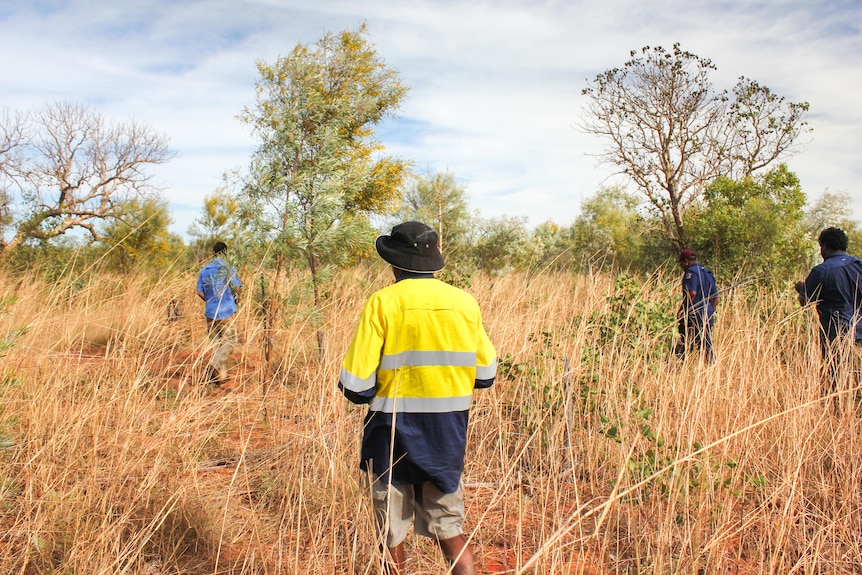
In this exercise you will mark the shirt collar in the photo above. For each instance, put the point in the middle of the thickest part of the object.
(405, 275)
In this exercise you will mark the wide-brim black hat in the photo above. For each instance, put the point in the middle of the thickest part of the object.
(411, 246)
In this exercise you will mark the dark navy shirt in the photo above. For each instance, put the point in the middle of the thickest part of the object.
(427, 447)
(836, 286)
(698, 279)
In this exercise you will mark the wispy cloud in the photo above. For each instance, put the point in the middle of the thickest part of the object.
(495, 85)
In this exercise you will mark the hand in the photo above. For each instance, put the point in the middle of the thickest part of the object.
(799, 287)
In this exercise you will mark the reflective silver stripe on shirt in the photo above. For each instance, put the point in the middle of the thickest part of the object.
(487, 371)
(421, 404)
(357, 384)
(428, 358)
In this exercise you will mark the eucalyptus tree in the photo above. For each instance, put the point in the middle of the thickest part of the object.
(610, 230)
(318, 170)
(831, 209)
(224, 217)
(502, 244)
(549, 247)
(139, 235)
(218, 219)
(437, 199)
(672, 133)
(755, 225)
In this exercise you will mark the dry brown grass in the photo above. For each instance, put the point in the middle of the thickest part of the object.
(115, 459)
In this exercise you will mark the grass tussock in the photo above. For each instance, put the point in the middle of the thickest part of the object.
(595, 452)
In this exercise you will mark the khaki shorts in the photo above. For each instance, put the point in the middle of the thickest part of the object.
(433, 514)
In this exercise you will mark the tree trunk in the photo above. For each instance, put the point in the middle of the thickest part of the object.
(679, 238)
(9, 247)
(318, 309)
(270, 314)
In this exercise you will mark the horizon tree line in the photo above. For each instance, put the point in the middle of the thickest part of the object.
(706, 166)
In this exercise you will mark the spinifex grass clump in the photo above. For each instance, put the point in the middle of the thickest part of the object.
(596, 449)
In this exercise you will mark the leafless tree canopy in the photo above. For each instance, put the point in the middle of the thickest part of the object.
(11, 144)
(672, 133)
(64, 167)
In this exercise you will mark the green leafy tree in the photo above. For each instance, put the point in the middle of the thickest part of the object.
(610, 231)
(437, 200)
(66, 168)
(219, 219)
(672, 133)
(549, 246)
(753, 226)
(831, 209)
(502, 244)
(139, 236)
(318, 169)
(57, 259)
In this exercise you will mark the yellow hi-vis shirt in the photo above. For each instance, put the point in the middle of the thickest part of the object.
(418, 352)
(420, 347)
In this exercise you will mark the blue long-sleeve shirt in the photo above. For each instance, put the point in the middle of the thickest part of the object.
(699, 279)
(836, 286)
(216, 281)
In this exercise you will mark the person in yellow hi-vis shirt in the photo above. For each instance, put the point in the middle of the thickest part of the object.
(418, 352)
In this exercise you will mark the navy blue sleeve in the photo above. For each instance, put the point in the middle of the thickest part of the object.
(357, 397)
(483, 383)
(813, 285)
(712, 289)
(691, 280)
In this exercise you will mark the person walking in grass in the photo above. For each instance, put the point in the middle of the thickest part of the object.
(218, 286)
(835, 286)
(694, 315)
(419, 351)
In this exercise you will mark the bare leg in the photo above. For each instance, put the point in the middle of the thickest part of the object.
(396, 559)
(452, 548)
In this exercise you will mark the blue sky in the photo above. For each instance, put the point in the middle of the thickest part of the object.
(495, 86)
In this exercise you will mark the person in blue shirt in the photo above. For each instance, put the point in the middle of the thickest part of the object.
(217, 284)
(694, 315)
(835, 286)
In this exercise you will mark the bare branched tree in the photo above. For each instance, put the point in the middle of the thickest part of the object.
(672, 133)
(12, 140)
(67, 168)
(763, 129)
